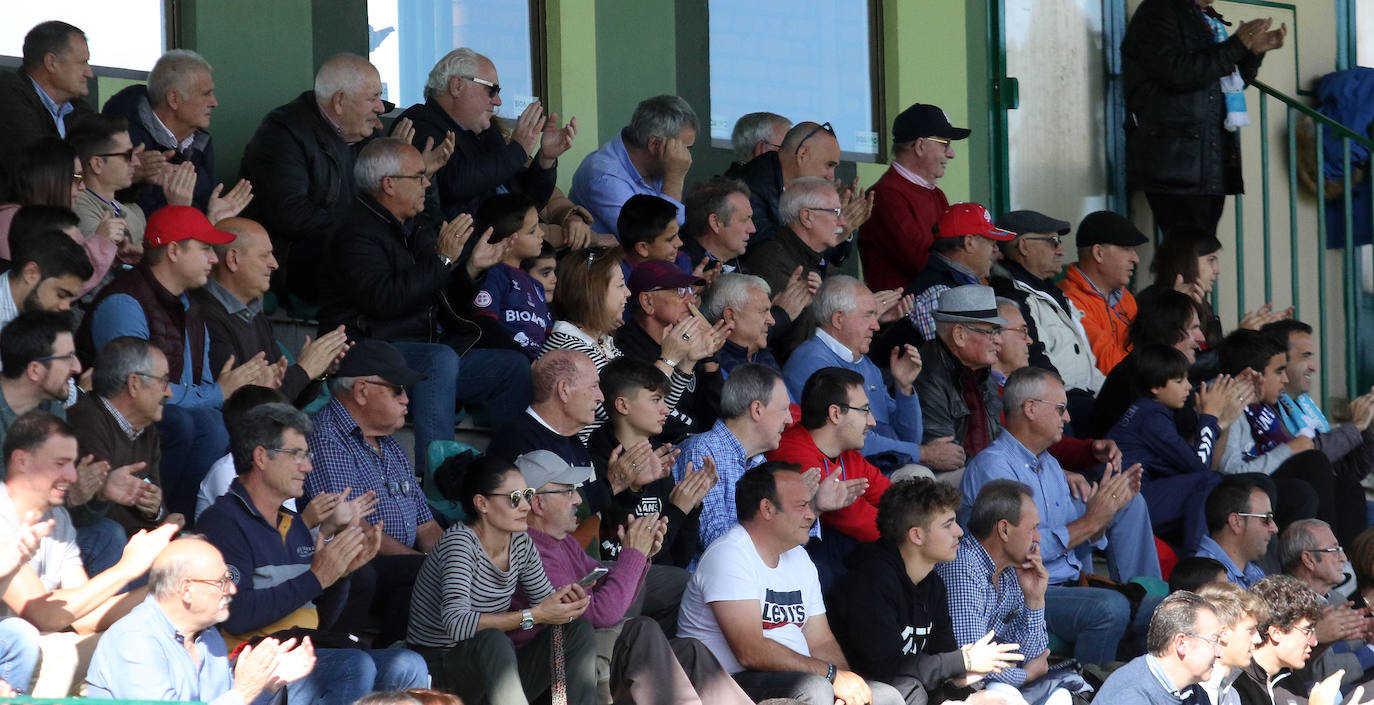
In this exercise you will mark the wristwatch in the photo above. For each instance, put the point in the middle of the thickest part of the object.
(527, 620)
(668, 362)
(448, 261)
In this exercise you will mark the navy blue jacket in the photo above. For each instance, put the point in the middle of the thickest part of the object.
(1146, 434)
(132, 104)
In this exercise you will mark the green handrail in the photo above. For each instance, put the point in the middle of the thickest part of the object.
(1309, 112)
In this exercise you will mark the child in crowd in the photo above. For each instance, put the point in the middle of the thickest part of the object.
(511, 297)
(1178, 472)
(648, 230)
(543, 267)
(635, 393)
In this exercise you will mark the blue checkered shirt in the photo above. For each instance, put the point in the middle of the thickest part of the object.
(342, 458)
(976, 608)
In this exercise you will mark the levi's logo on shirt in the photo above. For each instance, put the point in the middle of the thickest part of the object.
(914, 639)
(783, 608)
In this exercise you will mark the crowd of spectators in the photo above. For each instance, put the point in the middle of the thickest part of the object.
(777, 436)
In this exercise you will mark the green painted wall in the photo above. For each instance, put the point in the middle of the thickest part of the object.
(262, 51)
(574, 85)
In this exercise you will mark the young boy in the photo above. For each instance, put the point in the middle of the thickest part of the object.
(511, 297)
(1178, 472)
(543, 267)
(648, 230)
(635, 391)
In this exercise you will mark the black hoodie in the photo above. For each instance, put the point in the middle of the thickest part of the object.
(890, 628)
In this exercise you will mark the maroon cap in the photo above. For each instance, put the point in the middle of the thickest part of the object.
(170, 224)
(652, 274)
(963, 219)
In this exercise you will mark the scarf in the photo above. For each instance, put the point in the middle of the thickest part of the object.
(1232, 85)
(1266, 429)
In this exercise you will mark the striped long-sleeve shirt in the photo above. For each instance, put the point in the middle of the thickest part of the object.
(458, 583)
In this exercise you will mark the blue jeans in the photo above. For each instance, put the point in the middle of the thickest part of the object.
(1130, 543)
(192, 440)
(498, 380)
(431, 399)
(18, 653)
(1181, 501)
(1096, 620)
(341, 676)
(101, 544)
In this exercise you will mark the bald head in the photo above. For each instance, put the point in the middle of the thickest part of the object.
(245, 265)
(809, 149)
(182, 558)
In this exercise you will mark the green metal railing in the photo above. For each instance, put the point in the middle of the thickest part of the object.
(1350, 275)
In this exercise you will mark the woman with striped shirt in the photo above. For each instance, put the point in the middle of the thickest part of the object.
(460, 608)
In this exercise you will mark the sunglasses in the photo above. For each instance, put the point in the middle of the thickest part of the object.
(1052, 239)
(514, 496)
(1267, 517)
(493, 89)
(823, 126)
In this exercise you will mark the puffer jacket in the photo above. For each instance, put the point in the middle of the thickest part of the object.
(1056, 324)
(1175, 139)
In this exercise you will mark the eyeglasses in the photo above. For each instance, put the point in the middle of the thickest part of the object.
(1333, 549)
(1268, 517)
(567, 491)
(770, 144)
(164, 380)
(1022, 331)
(823, 126)
(594, 252)
(420, 177)
(1214, 641)
(937, 140)
(1054, 240)
(514, 496)
(222, 583)
(50, 358)
(396, 389)
(1059, 408)
(865, 410)
(833, 211)
(493, 89)
(78, 178)
(682, 291)
(990, 332)
(1310, 630)
(301, 455)
(127, 154)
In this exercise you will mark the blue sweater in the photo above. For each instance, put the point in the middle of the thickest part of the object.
(1136, 684)
(1146, 434)
(899, 419)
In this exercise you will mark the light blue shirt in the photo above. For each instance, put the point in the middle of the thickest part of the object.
(142, 657)
(1007, 459)
(121, 314)
(606, 179)
(718, 514)
(59, 113)
(1209, 548)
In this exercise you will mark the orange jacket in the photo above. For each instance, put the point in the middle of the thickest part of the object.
(1106, 326)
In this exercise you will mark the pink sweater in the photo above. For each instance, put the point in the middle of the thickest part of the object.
(565, 562)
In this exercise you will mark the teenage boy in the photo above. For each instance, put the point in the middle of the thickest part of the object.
(648, 230)
(635, 394)
(890, 612)
(1177, 472)
(511, 297)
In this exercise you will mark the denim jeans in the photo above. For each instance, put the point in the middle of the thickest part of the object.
(192, 440)
(1180, 501)
(18, 653)
(341, 676)
(1096, 620)
(498, 380)
(101, 544)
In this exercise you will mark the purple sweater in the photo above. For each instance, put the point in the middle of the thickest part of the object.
(565, 562)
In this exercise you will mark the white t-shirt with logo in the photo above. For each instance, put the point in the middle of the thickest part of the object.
(731, 569)
(58, 558)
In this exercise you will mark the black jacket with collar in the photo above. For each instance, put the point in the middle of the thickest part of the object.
(481, 162)
(1254, 684)
(24, 118)
(1176, 141)
(384, 279)
(303, 187)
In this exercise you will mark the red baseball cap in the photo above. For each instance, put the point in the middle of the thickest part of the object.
(963, 219)
(171, 224)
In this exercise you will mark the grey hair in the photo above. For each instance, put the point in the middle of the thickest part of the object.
(1004, 301)
(1023, 385)
(1297, 539)
(459, 62)
(121, 357)
(730, 291)
(748, 383)
(753, 128)
(1177, 614)
(836, 293)
(378, 160)
(341, 72)
(661, 116)
(997, 500)
(263, 426)
(164, 575)
(173, 72)
(341, 386)
(387, 697)
(803, 193)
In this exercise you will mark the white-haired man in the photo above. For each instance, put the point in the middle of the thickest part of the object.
(754, 134)
(813, 222)
(461, 98)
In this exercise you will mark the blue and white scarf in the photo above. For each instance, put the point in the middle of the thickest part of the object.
(1232, 86)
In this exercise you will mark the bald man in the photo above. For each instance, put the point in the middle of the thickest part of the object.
(190, 589)
(232, 301)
